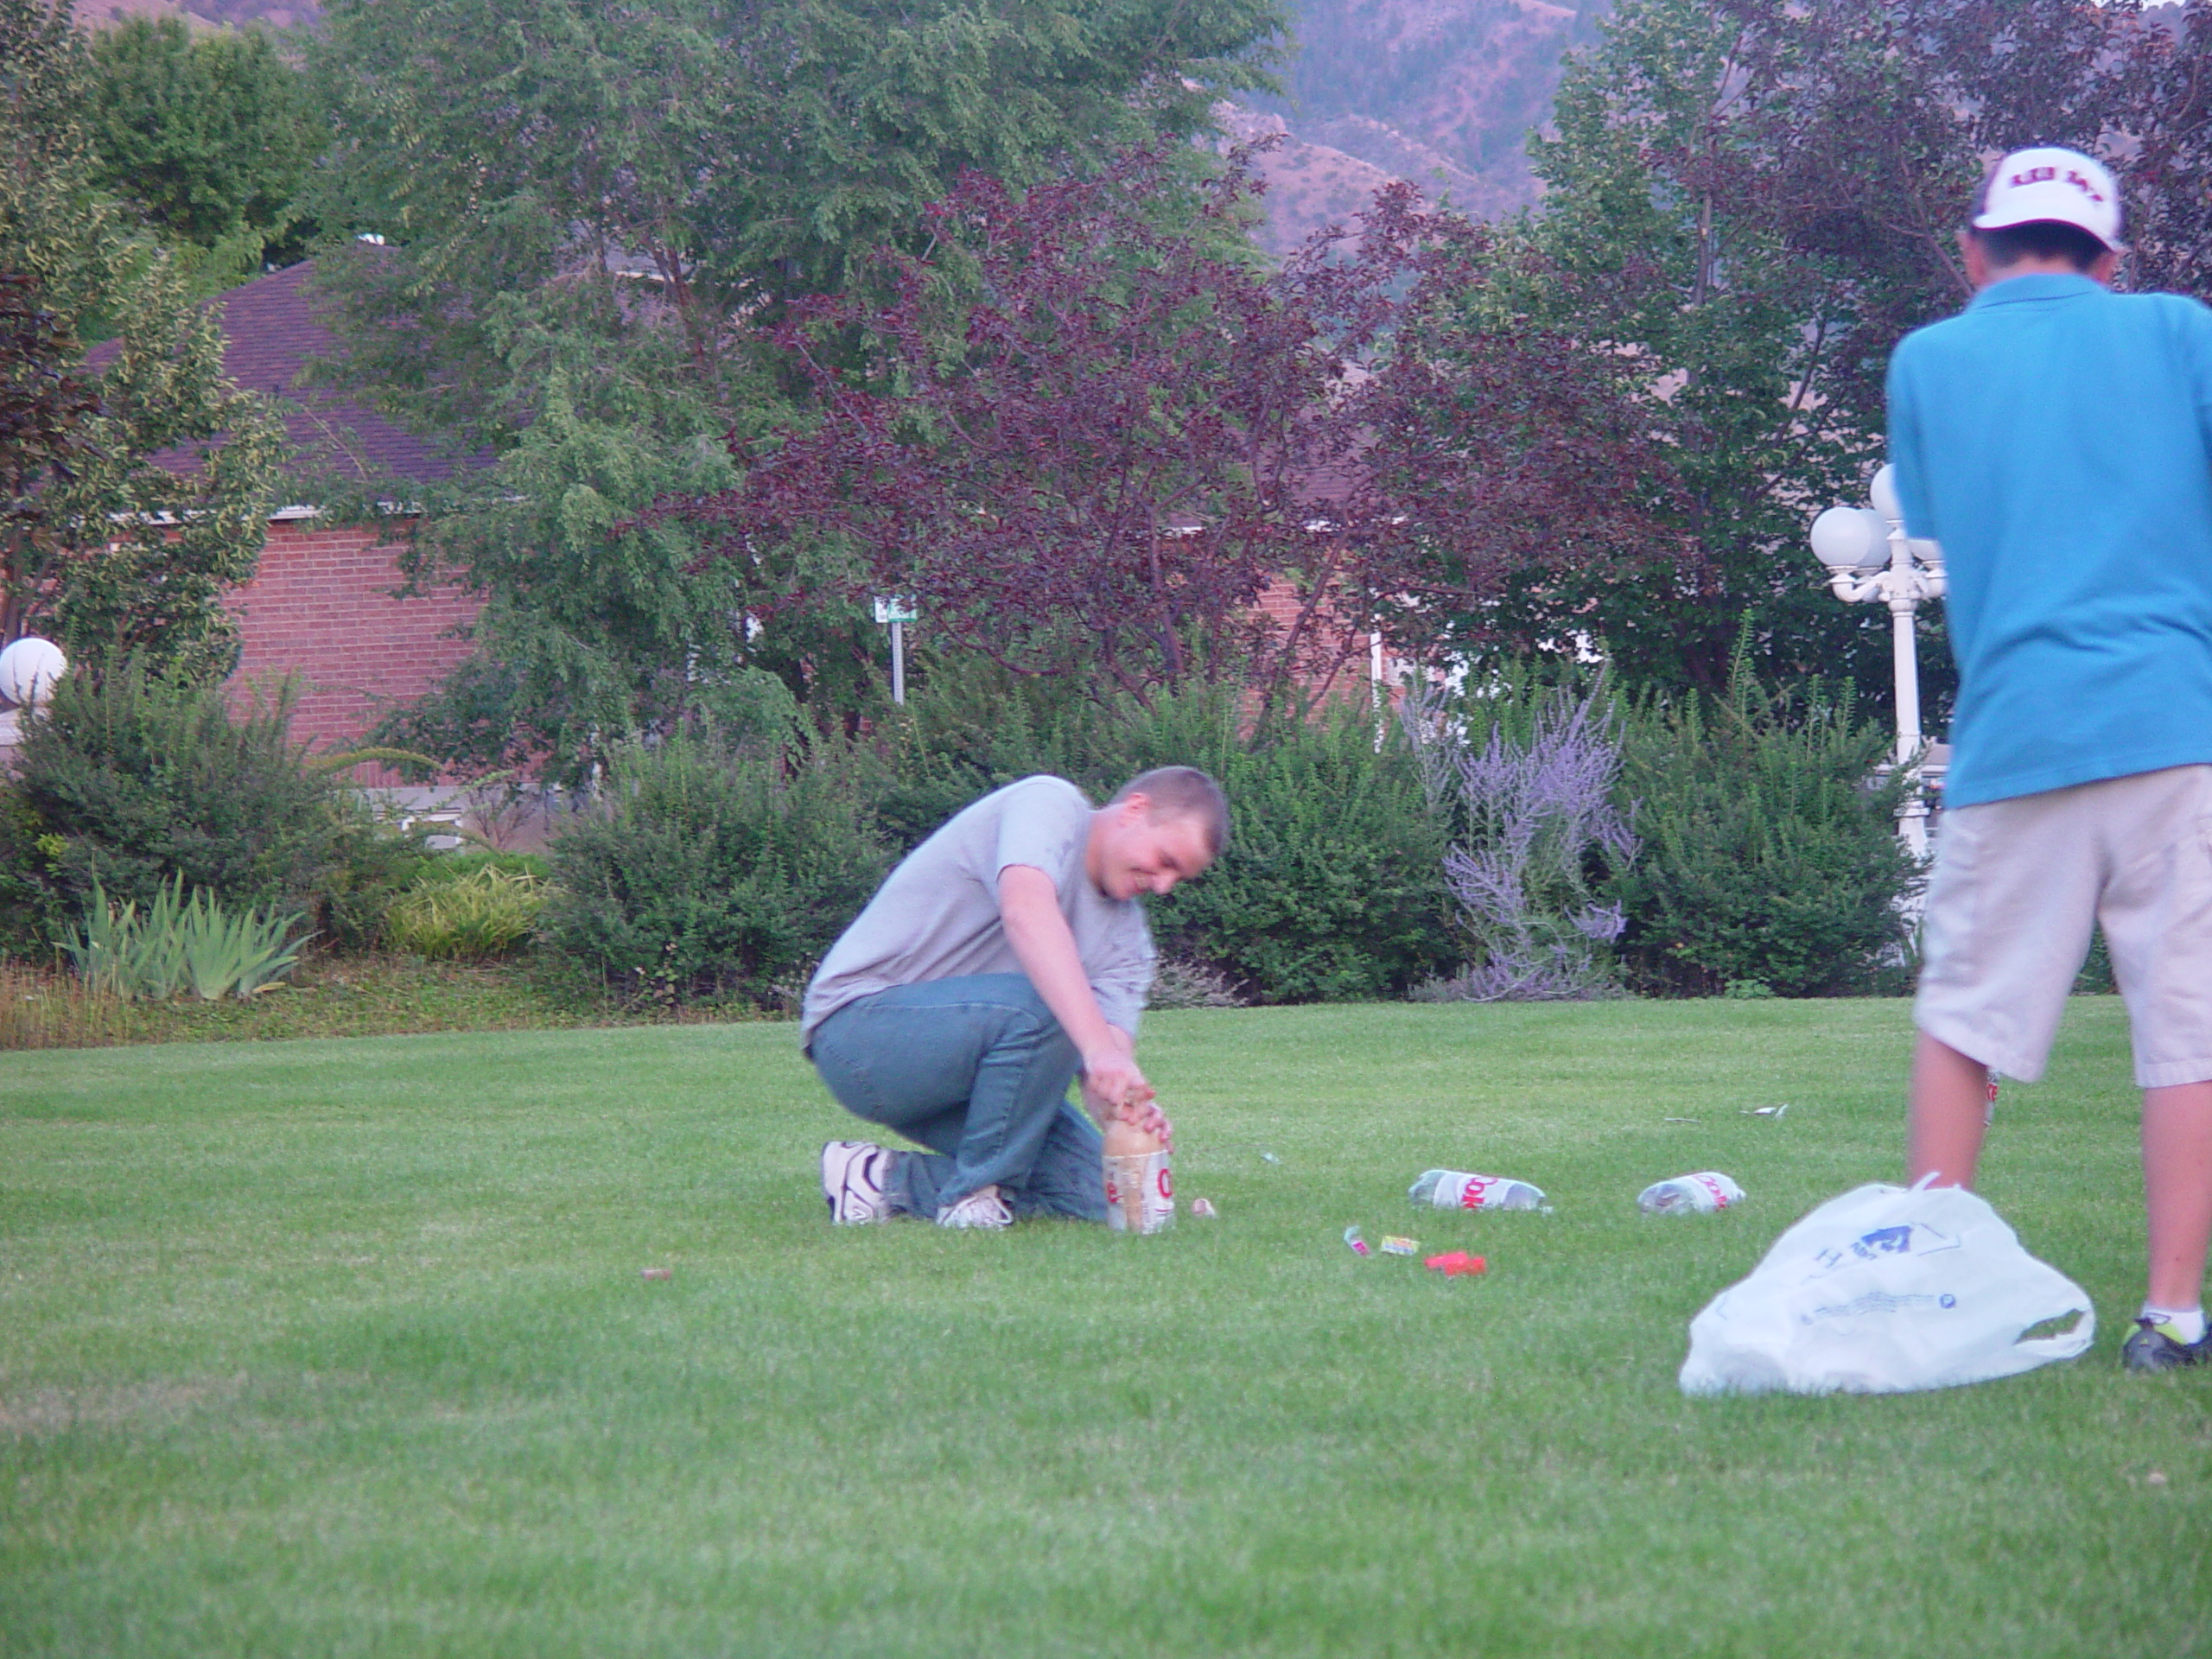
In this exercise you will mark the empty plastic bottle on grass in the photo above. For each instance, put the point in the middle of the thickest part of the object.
(1699, 1194)
(1452, 1189)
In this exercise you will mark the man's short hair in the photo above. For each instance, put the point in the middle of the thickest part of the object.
(2041, 238)
(1183, 792)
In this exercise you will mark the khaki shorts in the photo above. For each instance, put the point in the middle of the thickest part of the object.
(2018, 885)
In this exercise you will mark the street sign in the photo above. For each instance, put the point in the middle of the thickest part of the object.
(896, 607)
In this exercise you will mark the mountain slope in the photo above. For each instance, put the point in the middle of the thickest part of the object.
(1438, 91)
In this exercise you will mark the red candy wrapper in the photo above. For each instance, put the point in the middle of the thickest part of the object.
(1453, 1263)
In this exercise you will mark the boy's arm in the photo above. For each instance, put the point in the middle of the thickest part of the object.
(1905, 448)
(1029, 907)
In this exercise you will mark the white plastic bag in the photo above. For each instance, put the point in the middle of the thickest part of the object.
(1885, 1290)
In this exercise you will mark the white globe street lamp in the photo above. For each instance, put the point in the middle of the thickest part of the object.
(29, 669)
(1870, 557)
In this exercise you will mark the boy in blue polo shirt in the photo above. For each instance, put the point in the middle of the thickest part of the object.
(2056, 439)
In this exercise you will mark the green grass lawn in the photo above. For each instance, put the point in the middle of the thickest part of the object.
(342, 1347)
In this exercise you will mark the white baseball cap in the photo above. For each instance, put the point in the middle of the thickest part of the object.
(2050, 185)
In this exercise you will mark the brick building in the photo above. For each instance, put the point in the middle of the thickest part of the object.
(321, 604)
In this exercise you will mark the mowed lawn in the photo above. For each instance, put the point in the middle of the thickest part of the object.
(343, 1347)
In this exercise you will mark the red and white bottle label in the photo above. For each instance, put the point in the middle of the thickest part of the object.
(1139, 1193)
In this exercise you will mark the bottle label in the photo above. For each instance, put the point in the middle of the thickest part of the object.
(1482, 1192)
(1139, 1193)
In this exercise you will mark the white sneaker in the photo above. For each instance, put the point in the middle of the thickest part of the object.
(852, 1181)
(982, 1208)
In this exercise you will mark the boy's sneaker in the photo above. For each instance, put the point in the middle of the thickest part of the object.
(982, 1208)
(852, 1181)
(2152, 1349)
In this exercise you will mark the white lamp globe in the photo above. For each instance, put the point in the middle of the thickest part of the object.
(1850, 538)
(29, 669)
(1883, 491)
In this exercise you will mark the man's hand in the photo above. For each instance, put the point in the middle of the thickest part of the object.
(1113, 1089)
(1147, 1116)
(1111, 1081)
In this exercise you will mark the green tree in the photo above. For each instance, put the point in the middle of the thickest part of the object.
(98, 544)
(210, 136)
(1749, 202)
(587, 217)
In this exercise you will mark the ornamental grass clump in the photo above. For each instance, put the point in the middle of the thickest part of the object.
(152, 955)
(48, 1008)
(487, 912)
(1537, 826)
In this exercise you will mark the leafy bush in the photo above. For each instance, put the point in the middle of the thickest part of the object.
(1771, 857)
(714, 871)
(373, 861)
(485, 911)
(130, 781)
(1332, 886)
(972, 727)
(178, 942)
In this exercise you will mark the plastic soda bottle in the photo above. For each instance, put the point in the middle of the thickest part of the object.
(1452, 1189)
(1699, 1194)
(1140, 1185)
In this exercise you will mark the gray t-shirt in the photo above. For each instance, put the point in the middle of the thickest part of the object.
(936, 915)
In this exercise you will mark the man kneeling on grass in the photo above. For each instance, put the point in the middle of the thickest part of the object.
(1005, 956)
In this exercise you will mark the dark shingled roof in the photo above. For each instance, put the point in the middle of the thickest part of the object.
(269, 331)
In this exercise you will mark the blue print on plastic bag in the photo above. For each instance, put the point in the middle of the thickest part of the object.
(1913, 1238)
(1878, 1301)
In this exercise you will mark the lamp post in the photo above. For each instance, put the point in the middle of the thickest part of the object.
(29, 668)
(895, 611)
(1869, 557)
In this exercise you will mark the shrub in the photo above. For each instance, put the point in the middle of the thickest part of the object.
(373, 862)
(1331, 885)
(713, 871)
(972, 727)
(129, 780)
(1771, 857)
(484, 911)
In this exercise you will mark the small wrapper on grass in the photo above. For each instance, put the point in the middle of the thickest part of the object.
(659, 1273)
(1453, 1264)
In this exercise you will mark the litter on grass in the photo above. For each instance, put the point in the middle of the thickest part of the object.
(1453, 1189)
(1202, 1209)
(659, 1273)
(1700, 1194)
(1394, 1245)
(1766, 1111)
(1886, 1290)
(1358, 1244)
(1453, 1264)
(1269, 1158)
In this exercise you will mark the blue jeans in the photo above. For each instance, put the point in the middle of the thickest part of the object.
(977, 1070)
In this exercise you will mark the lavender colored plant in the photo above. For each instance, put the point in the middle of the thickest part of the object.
(1534, 814)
